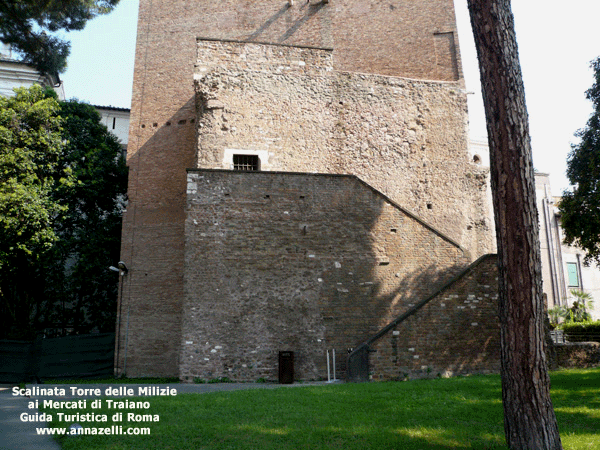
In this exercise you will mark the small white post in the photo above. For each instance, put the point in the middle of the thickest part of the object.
(334, 379)
(328, 372)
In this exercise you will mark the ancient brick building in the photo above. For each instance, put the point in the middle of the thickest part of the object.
(299, 178)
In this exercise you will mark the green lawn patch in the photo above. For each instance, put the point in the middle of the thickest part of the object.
(455, 413)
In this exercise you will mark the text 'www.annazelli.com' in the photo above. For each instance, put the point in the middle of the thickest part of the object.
(95, 431)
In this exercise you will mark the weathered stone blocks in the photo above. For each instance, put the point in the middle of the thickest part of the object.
(300, 262)
(416, 158)
(404, 137)
(457, 332)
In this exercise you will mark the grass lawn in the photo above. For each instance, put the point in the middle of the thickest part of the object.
(453, 413)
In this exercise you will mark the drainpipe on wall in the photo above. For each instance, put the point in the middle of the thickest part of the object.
(561, 268)
(551, 254)
(580, 272)
(123, 270)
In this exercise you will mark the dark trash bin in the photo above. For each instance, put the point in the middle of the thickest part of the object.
(286, 367)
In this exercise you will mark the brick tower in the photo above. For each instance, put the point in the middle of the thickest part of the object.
(414, 41)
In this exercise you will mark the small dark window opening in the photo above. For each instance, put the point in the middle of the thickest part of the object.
(246, 162)
(114, 122)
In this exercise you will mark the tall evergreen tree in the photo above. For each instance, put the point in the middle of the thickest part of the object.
(580, 207)
(529, 419)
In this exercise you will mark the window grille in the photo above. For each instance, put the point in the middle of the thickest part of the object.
(246, 162)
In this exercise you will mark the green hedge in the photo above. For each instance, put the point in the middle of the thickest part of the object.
(582, 331)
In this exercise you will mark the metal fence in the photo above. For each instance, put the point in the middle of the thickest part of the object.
(82, 356)
(558, 336)
(562, 337)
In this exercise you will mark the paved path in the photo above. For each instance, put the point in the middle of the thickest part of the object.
(16, 434)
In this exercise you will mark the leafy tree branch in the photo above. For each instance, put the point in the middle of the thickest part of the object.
(29, 26)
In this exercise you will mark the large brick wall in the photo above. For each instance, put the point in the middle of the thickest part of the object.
(395, 37)
(405, 138)
(281, 261)
(456, 332)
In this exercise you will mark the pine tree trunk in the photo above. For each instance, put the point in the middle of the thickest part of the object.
(529, 419)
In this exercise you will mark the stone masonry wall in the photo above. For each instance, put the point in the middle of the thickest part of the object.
(456, 333)
(301, 262)
(288, 105)
(577, 354)
(395, 37)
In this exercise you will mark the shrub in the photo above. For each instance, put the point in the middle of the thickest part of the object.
(582, 302)
(557, 314)
(582, 331)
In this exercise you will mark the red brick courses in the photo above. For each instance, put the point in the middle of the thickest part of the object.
(456, 333)
(301, 262)
(400, 38)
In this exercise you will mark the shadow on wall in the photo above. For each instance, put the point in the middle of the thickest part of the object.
(150, 309)
(407, 298)
(455, 331)
(149, 321)
(297, 262)
(307, 12)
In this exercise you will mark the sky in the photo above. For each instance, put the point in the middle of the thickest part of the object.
(556, 45)
(100, 66)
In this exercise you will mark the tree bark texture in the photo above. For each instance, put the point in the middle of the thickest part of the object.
(529, 419)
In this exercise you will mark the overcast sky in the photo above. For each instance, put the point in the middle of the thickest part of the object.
(556, 44)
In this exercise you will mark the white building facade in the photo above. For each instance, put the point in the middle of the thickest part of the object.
(117, 122)
(14, 73)
(562, 265)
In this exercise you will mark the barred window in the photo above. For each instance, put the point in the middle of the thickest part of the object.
(246, 162)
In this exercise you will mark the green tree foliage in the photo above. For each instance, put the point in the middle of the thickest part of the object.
(580, 208)
(582, 303)
(31, 143)
(90, 232)
(62, 280)
(28, 26)
(579, 311)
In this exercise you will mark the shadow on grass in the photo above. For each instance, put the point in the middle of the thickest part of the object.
(576, 399)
